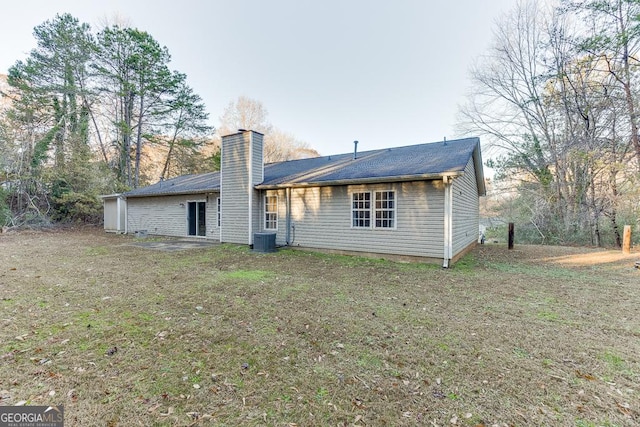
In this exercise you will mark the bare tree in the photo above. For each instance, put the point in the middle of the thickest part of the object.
(555, 118)
(247, 113)
(613, 36)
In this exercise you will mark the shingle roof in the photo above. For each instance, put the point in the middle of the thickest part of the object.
(414, 162)
(185, 184)
(410, 162)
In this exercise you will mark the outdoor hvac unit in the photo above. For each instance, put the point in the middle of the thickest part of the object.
(264, 242)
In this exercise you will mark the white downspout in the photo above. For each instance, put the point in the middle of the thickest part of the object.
(288, 215)
(448, 221)
(250, 188)
(220, 194)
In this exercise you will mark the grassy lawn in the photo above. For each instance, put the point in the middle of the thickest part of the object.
(122, 335)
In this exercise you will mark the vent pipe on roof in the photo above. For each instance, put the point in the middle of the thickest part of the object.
(355, 150)
(445, 141)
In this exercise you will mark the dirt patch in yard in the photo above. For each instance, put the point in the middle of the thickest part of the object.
(170, 245)
(124, 335)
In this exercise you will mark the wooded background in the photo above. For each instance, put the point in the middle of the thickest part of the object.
(88, 114)
(554, 100)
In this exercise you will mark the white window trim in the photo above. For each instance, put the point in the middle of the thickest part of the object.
(351, 210)
(394, 210)
(265, 212)
(373, 210)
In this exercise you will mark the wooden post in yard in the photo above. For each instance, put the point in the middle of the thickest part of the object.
(626, 240)
(510, 235)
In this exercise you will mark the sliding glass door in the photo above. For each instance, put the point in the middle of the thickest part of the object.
(196, 218)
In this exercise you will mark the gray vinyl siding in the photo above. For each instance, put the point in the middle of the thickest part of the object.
(111, 215)
(257, 177)
(322, 219)
(234, 189)
(213, 231)
(465, 209)
(241, 169)
(123, 215)
(167, 215)
(257, 164)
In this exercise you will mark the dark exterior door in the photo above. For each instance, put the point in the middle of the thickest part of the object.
(196, 218)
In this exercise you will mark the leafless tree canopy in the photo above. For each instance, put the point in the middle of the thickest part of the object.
(247, 113)
(556, 100)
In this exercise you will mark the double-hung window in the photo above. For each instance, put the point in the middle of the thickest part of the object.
(361, 210)
(373, 209)
(270, 212)
(385, 209)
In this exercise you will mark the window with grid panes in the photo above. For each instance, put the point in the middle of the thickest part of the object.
(270, 212)
(361, 210)
(385, 209)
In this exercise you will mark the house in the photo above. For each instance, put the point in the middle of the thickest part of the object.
(412, 201)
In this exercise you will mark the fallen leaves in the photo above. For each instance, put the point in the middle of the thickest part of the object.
(585, 375)
(438, 394)
(624, 408)
(40, 360)
(170, 411)
(154, 407)
(401, 376)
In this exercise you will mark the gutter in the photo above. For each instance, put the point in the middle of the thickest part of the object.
(175, 193)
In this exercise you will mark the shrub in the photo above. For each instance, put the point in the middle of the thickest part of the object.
(78, 207)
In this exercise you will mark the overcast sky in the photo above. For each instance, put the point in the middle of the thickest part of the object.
(386, 73)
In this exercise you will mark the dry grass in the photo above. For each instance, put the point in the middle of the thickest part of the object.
(122, 335)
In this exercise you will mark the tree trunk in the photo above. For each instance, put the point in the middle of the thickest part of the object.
(127, 134)
(172, 143)
(613, 215)
(139, 142)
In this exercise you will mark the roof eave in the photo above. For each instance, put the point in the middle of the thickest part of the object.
(477, 163)
(174, 193)
(372, 180)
